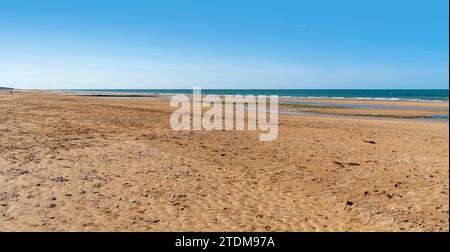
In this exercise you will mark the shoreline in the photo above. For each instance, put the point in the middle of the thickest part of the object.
(358, 108)
(147, 93)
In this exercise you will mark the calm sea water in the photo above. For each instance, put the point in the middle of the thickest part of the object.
(388, 94)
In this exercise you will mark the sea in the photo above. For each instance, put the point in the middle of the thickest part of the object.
(435, 95)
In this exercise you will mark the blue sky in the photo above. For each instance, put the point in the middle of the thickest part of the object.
(224, 44)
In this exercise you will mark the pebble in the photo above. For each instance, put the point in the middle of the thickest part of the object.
(133, 201)
(20, 171)
(60, 179)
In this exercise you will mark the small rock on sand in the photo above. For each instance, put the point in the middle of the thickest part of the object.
(20, 171)
(60, 179)
(134, 201)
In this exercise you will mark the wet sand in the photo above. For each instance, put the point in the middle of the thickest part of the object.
(373, 102)
(367, 108)
(105, 164)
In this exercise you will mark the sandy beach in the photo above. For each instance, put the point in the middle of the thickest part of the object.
(72, 163)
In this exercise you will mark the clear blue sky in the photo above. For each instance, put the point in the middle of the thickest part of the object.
(224, 44)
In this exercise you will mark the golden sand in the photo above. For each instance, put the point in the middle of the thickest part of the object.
(106, 164)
